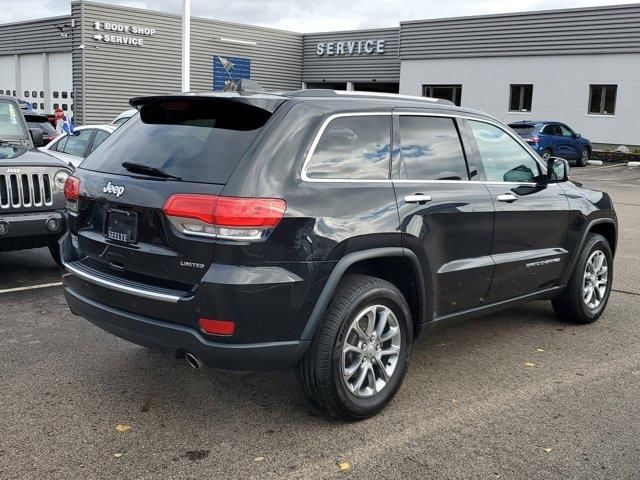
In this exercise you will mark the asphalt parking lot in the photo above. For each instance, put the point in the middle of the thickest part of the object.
(513, 395)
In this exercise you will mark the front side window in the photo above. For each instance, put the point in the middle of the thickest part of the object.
(453, 93)
(602, 99)
(566, 131)
(353, 148)
(10, 121)
(521, 98)
(431, 149)
(77, 143)
(503, 158)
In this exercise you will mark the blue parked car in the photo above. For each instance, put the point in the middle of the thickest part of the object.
(554, 139)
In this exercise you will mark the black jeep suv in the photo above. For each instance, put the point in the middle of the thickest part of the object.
(322, 231)
(31, 185)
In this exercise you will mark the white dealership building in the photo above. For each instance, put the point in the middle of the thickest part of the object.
(578, 66)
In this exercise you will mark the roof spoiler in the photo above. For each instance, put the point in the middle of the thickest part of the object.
(265, 102)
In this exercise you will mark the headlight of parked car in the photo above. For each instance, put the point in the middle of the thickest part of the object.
(59, 179)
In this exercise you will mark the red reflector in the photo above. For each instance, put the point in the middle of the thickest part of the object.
(227, 211)
(217, 327)
(72, 188)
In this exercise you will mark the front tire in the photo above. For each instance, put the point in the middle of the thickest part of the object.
(546, 154)
(589, 288)
(359, 357)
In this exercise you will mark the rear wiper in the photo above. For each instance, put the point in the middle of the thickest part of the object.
(148, 170)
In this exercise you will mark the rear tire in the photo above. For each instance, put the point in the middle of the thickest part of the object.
(589, 288)
(546, 154)
(366, 333)
(584, 158)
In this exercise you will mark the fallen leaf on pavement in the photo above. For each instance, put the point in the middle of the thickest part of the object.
(117, 455)
(529, 364)
(548, 450)
(539, 350)
(122, 428)
(455, 402)
(258, 459)
(344, 466)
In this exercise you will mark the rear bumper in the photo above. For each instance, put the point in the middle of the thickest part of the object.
(181, 339)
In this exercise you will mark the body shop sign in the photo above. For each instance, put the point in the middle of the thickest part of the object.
(122, 33)
(352, 47)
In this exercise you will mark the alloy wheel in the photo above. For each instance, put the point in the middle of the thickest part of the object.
(370, 351)
(596, 276)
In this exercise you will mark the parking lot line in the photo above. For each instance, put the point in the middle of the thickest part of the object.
(31, 287)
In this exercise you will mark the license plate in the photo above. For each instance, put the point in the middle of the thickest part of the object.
(122, 226)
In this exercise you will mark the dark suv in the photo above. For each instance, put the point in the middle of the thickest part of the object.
(322, 231)
(31, 185)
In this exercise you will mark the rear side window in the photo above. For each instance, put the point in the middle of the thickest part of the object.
(196, 140)
(431, 149)
(353, 148)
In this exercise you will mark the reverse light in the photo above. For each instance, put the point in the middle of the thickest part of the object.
(217, 327)
(72, 189)
(230, 218)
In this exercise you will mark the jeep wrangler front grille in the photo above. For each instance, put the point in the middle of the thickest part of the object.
(25, 190)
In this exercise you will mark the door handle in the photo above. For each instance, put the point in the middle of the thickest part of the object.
(507, 197)
(417, 198)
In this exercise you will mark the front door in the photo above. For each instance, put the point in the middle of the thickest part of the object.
(531, 216)
(446, 220)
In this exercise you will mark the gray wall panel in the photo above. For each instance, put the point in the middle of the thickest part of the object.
(558, 32)
(359, 68)
(35, 36)
(114, 73)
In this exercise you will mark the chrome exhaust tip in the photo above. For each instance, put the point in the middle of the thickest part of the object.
(193, 360)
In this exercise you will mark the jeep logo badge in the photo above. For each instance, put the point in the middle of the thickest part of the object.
(112, 189)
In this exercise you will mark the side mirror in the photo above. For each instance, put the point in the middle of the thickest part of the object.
(36, 136)
(577, 135)
(557, 170)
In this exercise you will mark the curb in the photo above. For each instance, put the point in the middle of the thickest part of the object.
(595, 162)
(633, 164)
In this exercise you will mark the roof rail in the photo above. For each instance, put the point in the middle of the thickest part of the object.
(349, 93)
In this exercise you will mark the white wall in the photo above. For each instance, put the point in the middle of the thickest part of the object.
(560, 89)
(7, 73)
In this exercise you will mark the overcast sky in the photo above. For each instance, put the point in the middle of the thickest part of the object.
(308, 15)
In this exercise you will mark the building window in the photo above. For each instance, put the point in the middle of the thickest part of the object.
(65, 107)
(521, 96)
(64, 94)
(55, 106)
(34, 105)
(71, 94)
(41, 94)
(7, 92)
(14, 93)
(453, 93)
(26, 94)
(56, 94)
(602, 99)
(34, 94)
(42, 106)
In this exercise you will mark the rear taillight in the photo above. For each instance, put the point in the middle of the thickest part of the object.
(532, 139)
(72, 189)
(231, 218)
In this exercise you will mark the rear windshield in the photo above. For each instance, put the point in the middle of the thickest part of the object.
(197, 141)
(523, 130)
(42, 124)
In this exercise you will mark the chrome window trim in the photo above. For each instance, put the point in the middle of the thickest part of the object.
(316, 140)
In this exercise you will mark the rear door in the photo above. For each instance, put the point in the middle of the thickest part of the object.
(446, 220)
(570, 149)
(531, 217)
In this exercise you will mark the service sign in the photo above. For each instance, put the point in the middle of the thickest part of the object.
(352, 47)
(122, 33)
